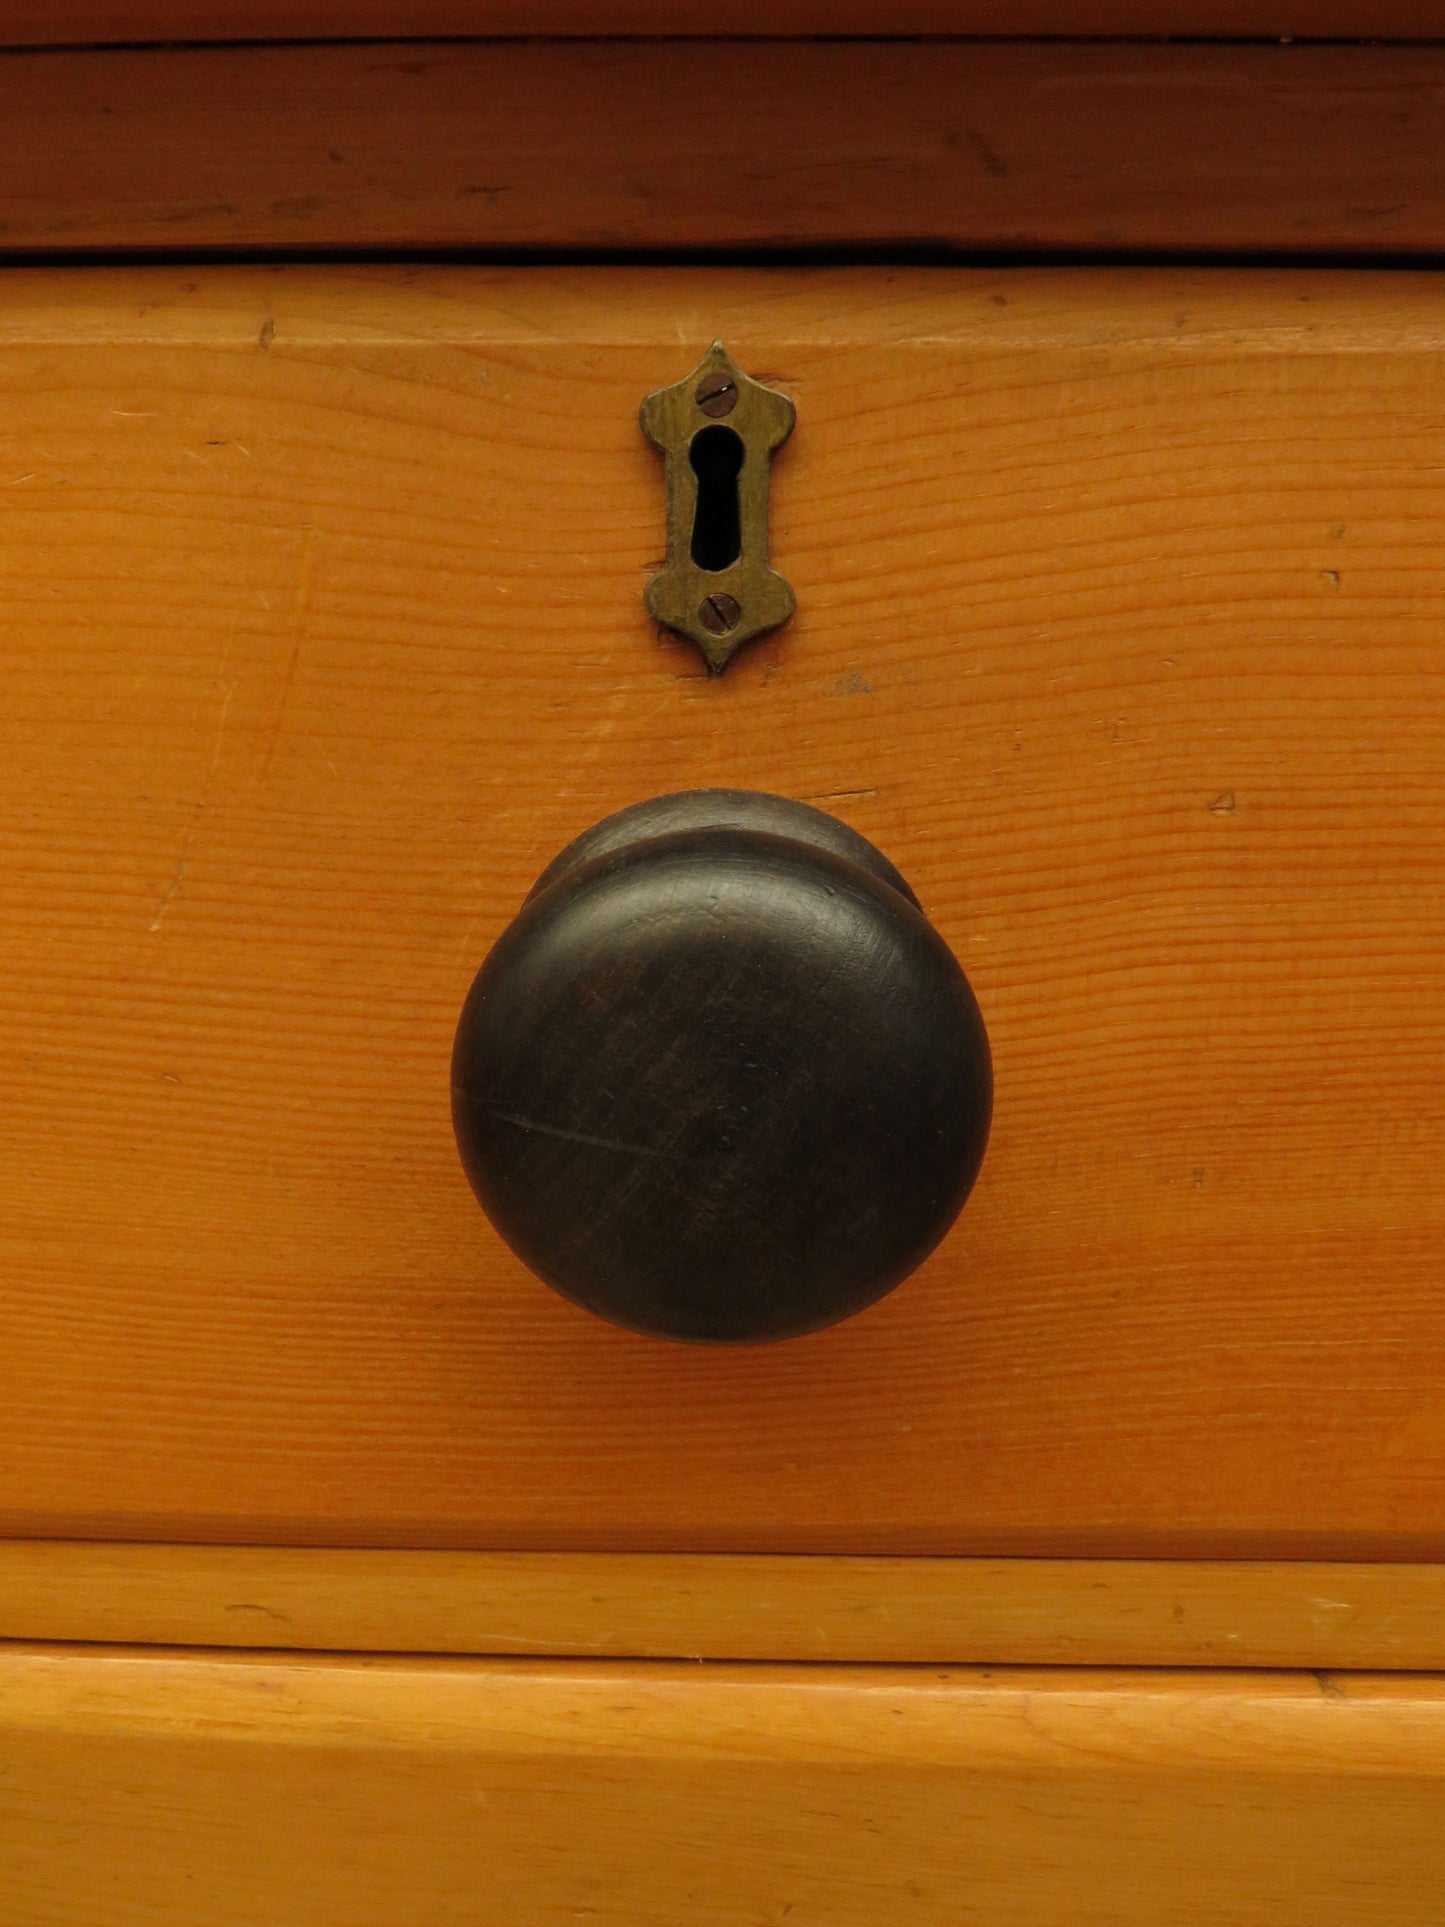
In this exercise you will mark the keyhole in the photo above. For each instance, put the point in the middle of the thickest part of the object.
(716, 455)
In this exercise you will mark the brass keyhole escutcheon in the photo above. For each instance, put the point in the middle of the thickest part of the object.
(717, 430)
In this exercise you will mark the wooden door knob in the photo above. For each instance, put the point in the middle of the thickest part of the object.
(721, 1079)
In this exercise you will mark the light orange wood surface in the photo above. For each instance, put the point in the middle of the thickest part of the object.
(48, 22)
(1037, 1612)
(1120, 619)
(160, 1791)
(988, 146)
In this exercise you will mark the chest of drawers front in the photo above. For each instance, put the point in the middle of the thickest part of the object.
(352, 1575)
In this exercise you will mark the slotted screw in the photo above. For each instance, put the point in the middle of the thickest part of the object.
(719, 613)
(716, 394)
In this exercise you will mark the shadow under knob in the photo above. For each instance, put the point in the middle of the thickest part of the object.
(721, 1079)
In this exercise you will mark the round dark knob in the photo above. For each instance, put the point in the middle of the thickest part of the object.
(721, 1079)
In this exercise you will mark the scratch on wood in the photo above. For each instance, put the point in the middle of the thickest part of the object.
(299, 617)
(993, 162)
(576, 1137)
(183, 862)
(175, 883)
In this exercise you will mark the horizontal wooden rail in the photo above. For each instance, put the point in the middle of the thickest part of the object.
(170, 1788)
(52, 22)
(993, 1611)
(48, 22)
(993, 146)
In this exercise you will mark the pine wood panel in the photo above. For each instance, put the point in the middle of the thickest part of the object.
(1120, 615)
(50, 22)
(984, 146)
(365, 1792)
(1034, 1612)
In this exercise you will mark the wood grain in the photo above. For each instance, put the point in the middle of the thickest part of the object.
(365, 1792)
(1034, 1612)
(986, 146)
(1119, 630)
(52, 22)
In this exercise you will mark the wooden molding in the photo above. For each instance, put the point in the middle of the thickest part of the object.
(681, 1606)
(56, 22)
(166, 1788)
(996, 146)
